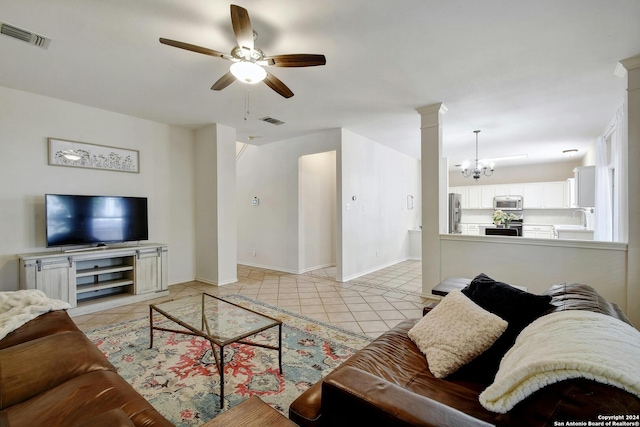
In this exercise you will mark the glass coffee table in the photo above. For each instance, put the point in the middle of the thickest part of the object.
(217, 320)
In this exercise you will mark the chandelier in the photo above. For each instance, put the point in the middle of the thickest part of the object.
(479, 168)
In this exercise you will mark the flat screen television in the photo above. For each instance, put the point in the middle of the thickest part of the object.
(89, 220)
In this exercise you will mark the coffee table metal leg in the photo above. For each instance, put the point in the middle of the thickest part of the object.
(280, 346)
(151, 327)
(221, 377)
(220, 366)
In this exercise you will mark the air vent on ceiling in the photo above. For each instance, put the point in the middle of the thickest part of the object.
(272, 121)
(24, 35)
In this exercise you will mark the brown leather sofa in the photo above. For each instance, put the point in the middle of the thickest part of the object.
(52, 375)
(389, 383)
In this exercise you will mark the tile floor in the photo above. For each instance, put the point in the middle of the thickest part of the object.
(371, 304)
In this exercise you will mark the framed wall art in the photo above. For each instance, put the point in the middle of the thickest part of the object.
(92, 156)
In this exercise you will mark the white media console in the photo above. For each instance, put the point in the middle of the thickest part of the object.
(98, 278)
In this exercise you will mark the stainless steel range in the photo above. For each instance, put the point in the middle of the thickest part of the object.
(514, 229)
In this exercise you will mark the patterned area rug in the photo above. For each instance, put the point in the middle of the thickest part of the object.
(180, 379)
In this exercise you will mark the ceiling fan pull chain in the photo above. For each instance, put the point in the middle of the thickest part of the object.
(246, 106)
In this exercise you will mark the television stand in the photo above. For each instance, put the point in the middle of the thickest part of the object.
(99, 278)
(95, 248)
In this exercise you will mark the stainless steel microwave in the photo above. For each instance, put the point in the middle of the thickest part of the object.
(508, 203)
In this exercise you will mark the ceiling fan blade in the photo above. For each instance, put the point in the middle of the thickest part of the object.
(242, 27)
(276, 84)
(194, 48)
(296, 60)
(223, 81)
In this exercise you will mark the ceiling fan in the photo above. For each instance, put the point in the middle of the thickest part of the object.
(249, 61)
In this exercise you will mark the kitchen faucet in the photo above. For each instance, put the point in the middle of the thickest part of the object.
(584, 216)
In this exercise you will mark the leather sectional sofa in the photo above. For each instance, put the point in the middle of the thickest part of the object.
(389, 383)
(52, 375)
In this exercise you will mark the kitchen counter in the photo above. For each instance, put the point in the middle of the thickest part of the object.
(536, 229)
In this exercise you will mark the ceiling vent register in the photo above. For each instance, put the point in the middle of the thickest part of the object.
(24, 35)
(272, 121)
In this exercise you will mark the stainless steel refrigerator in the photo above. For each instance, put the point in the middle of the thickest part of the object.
(455, 213)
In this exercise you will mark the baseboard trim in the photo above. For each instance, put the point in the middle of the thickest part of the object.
(269, 267)
(317, 267)
(371, 270)
(286, 270)
(213, 282)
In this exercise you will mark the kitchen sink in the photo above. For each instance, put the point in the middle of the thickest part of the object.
(572, 232)
(569, 227)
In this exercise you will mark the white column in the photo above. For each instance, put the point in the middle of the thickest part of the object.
(433, 199)
(633, 158)
(215, 175)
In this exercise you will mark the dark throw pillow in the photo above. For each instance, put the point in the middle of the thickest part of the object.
(519, 308)
(512, 304)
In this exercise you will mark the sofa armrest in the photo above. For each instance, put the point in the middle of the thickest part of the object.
(305, 410)
(32, 367)
(351, 396)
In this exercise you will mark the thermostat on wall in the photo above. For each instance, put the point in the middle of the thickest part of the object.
(255, 201)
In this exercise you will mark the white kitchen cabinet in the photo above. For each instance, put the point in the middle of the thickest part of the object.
(544, 195)
(500, 190)
(554, 194)
(570, 188)
(474, 197)
(532, 195)
(538, 231)
(536, 195)
(487, 193)
(508, 189)
(585, 181)
(470, 196)
(515, 189)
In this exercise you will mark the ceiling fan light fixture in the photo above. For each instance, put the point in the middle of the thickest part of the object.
(248, 72)
(248, 59)
(570, 153)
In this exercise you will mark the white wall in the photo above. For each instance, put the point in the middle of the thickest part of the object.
(372, 232)
(270, 172)
(375, 225)
(166, 175)
(318, 210)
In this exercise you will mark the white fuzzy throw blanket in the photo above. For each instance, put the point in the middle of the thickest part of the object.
(563, 345)
(18, 307)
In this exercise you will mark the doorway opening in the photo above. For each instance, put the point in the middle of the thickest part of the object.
(318, 225)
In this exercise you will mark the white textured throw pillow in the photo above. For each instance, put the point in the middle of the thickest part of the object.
(455, 332)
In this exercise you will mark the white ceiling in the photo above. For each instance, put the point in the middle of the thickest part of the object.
(535, 76)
